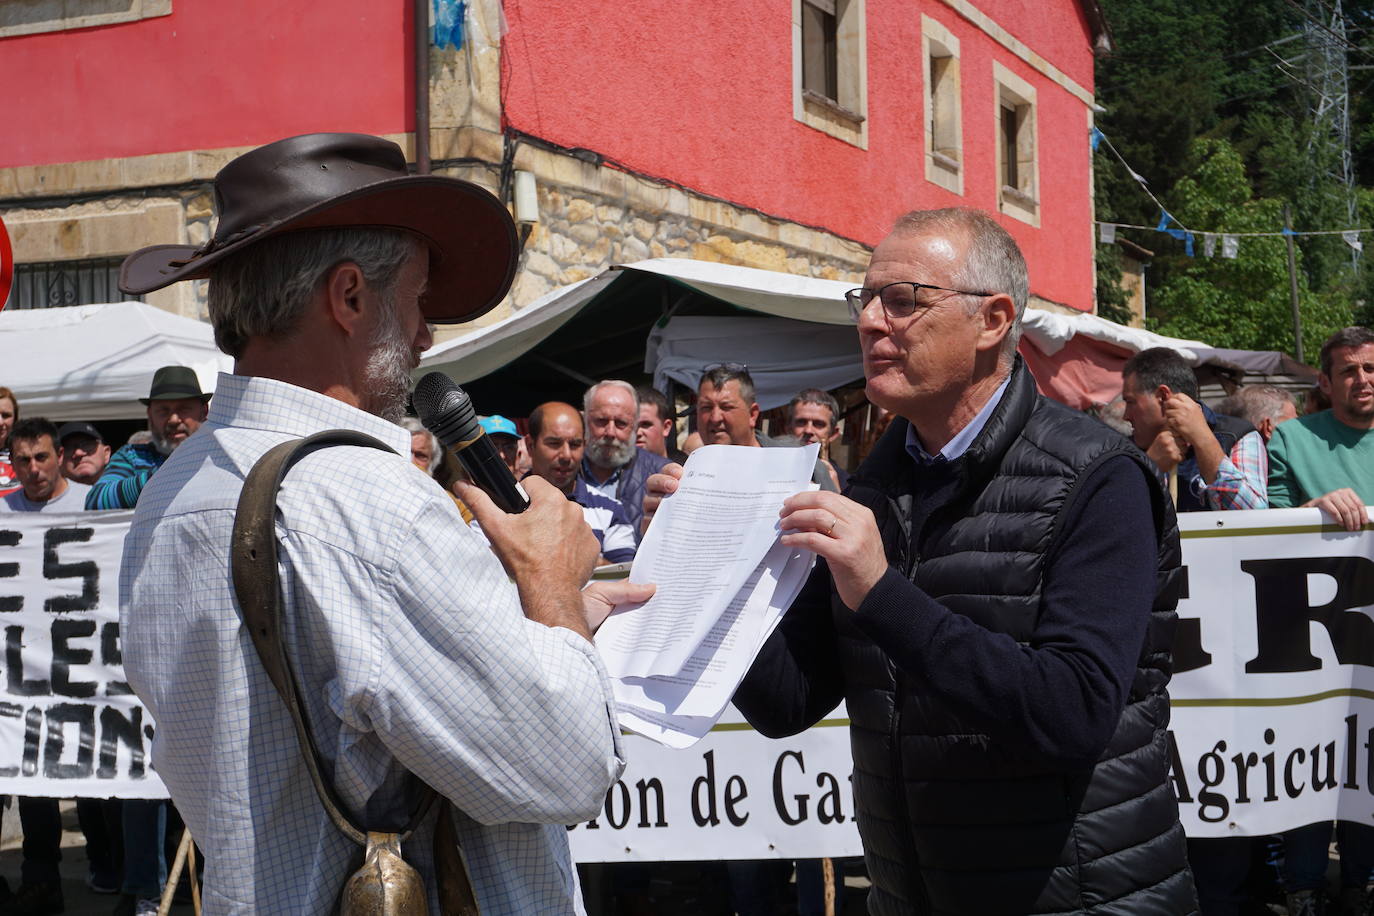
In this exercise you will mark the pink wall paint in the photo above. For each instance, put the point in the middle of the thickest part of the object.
(701, 93)
(210, 75)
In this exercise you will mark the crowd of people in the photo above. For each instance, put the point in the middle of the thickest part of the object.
(993, 600)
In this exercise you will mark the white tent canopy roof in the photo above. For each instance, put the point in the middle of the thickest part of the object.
(93, 362)
(769, 292)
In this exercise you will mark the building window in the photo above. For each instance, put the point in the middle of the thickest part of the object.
(829, 78)
(32, 17)
(944, 139)
(60, 283)
(1017, 148)
(820, 66)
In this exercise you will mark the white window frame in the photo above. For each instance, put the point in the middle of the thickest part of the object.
(1010, 90)
(845, 118)
(942, 120)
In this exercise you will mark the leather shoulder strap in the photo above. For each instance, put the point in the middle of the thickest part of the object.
(253, 564)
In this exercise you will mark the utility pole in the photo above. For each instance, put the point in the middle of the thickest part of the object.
(1293, 282)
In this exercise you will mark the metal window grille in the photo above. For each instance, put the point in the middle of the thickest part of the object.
(60, 283)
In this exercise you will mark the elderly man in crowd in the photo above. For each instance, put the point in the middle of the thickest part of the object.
(85, 454)
(421, 656)
(1220, 461)
(425, 451)
(994, 603)
(613, 465)
(656, 430)
(727, 414)
(1326, 460)
(556, 443)
(1262, 406)
(176, 407)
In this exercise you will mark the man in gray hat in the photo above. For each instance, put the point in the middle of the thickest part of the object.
(176, 408)
(420, 655)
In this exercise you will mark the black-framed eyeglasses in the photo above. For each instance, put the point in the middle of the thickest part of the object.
(898, 299)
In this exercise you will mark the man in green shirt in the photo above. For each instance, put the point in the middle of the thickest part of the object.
(1326, 460)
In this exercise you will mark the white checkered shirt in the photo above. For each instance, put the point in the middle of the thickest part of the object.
(413, 652)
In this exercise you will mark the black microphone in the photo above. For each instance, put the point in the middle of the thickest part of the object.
(446, 410)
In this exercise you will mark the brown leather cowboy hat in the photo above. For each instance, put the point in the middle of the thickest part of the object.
(321, 181)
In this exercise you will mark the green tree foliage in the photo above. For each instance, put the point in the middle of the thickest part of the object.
(1200, 99)
(1240, 302)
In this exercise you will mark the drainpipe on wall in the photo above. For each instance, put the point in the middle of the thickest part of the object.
(421, 17)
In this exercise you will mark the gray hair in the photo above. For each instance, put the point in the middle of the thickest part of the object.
(414, 426)
(263, 290)
(994, 263)
(610, 383)
(1254, 403)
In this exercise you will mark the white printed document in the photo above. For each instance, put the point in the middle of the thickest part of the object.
(723, 583)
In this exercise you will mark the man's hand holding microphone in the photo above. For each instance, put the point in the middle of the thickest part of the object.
(538, 533)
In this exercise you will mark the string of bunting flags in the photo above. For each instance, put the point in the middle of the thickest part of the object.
(1168, 224)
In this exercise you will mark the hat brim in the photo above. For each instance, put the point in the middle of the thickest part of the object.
(472, 240)
(203, 396)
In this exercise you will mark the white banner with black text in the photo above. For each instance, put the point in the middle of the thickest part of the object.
(1273, 700)
(1273, 688)
(70, 727)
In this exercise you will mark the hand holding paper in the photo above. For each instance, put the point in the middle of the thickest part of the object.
(723, 581)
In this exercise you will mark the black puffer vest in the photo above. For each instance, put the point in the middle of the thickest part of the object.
(952, 822)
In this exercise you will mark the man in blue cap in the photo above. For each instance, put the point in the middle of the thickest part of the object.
(505, 437)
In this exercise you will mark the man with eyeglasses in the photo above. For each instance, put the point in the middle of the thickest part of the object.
(994, 602)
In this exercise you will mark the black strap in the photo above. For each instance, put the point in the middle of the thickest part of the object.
(253, 563)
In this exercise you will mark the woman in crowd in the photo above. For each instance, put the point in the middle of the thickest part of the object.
(9, 415)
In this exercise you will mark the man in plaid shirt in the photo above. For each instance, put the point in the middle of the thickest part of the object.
(1221, 461)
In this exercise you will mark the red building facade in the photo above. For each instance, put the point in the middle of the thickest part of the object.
(786, 134)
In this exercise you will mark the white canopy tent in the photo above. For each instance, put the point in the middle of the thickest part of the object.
(806, 340)
(93, 362)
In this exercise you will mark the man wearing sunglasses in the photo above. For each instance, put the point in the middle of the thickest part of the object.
(993, 602)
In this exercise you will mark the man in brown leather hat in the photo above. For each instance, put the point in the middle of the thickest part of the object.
(417, 656)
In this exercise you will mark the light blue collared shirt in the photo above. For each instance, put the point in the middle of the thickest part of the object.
(956, 447)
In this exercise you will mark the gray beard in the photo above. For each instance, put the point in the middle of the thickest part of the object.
(387, 373)
(608, 452)
(164, 446)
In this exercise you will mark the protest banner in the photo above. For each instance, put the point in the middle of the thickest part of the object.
(733, 795)
(69, 724)
(1273, 700)
(1273, 719)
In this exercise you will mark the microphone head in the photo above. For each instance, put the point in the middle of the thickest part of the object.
(445, 409)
